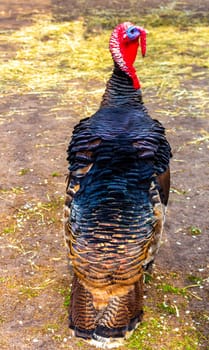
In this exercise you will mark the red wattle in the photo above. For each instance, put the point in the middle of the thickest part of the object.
(143, 42)
(136, 83)
(124, 50)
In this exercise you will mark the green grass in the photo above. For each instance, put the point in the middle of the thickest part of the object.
(66, 294)
(14, 190)
(157, 333)
(195, 231)
(195, 279)
(9, 229)
(24, 171)
(56, 174)
(167, 288)
(168, 308)
(28, 292)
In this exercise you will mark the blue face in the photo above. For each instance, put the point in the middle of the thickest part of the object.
(132, 33)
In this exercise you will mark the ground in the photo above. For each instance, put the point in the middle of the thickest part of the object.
(47, 84)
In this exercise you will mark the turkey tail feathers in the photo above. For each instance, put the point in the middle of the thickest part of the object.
(116, 320)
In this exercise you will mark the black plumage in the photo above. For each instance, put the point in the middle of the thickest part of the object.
(118, 186)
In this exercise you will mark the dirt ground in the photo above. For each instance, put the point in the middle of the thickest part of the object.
(33, 167)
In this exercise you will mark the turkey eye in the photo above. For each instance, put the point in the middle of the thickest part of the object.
(132, 31)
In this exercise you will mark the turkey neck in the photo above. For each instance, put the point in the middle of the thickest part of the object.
(120, 91)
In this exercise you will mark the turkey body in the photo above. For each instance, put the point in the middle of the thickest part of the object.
(117, 189)
(115, 218)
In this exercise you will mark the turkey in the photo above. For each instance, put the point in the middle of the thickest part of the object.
(117, 191)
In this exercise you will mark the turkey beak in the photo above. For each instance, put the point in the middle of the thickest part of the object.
(143, 34)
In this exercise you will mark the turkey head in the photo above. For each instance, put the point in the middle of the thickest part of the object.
(124, 43)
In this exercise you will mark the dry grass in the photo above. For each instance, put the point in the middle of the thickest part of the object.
(51, 55)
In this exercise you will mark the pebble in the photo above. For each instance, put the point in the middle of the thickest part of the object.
(35, 340)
